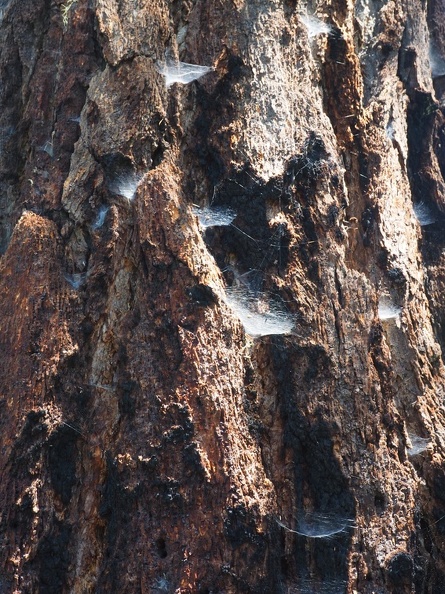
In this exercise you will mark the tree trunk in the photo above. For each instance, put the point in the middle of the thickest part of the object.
(222, 323)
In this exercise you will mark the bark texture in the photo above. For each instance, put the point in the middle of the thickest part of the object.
(148, 443)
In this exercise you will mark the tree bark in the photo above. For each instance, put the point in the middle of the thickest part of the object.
(252, 404)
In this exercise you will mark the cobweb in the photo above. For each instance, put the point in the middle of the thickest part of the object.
(387, 309)
(418, 445)
(100, 218)
(424, 214)
(214, 216)
(259, 314)
(317, 525)
(76, 280)
(125, 184)
(315, 26)
(181, 72)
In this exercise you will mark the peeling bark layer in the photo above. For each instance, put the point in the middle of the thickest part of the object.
(149, 443)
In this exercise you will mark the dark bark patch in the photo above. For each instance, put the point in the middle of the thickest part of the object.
(192, 461)
(367, 222)
(161, 548)
(240, 526)
(62, 461)
(426, 135)
(258, 246)
(53, 558)
(439, 523)
(380, 502)
(305, 169)
(28, 447)
(317, 474)
(181, 425)
(400, 570)
(127, 399)
(5, 584)
(438, 486)
(202, 295)
(397, 276)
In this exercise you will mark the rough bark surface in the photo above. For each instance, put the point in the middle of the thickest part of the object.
(148, 443)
